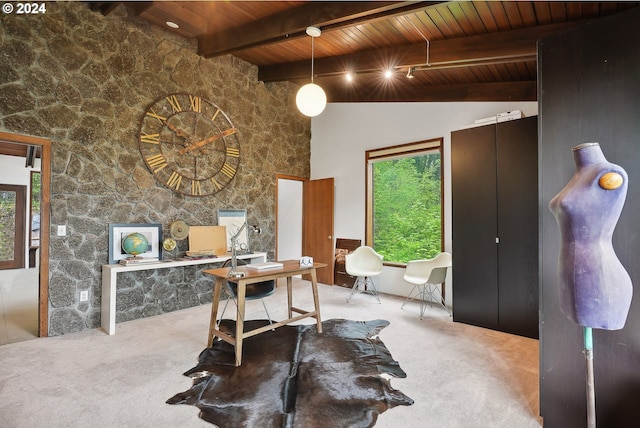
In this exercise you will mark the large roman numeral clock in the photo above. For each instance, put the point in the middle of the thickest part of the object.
(189, 144)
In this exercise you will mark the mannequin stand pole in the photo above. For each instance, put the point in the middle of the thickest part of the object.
(591, 394)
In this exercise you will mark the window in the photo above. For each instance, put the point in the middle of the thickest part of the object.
(404, 201)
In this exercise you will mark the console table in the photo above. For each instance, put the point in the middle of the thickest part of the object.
(110, 279)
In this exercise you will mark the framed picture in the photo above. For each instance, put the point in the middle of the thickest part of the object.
(117, 232)
(233, 220)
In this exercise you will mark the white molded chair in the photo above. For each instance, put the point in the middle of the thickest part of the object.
(427, 277)
(363, 263)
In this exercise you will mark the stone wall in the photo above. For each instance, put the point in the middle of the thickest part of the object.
(84, 80)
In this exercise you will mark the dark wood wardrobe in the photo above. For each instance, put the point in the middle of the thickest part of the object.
(494, 174)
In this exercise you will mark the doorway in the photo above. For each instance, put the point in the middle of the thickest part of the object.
(304, 221)
(26, 161)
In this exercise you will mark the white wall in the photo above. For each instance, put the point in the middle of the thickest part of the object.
(342, 133)
(13, 171)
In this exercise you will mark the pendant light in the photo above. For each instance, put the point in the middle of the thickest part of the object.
(311, 99)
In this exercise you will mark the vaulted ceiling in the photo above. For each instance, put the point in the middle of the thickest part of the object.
(456, 51)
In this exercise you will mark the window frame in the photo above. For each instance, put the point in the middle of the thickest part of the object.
(396, 152)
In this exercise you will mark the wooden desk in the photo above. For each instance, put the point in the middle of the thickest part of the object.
(110, 280)
(290, 268)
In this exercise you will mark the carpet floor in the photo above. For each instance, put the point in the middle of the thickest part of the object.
(459, 376)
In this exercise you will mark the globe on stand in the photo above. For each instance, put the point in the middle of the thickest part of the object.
(135, 244)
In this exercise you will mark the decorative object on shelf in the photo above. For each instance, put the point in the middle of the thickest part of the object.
(135, 244)
(169, 245)
(595, 290)
(207, 241)
(311, 99)
(127, 240)
(179, 230)
(306, 261)
(189, 144)
(233, 220)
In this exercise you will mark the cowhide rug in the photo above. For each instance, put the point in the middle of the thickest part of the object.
(295, 377)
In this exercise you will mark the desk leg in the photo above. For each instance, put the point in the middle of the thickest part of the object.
(108, 315)
(215, 302)
(242, 290)
(290, 295)
(316, 300)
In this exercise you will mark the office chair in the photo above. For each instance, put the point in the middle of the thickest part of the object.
(259, 290)
(427, 276)
(363, 263)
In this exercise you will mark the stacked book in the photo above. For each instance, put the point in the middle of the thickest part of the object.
(265, 265)
(138, 260)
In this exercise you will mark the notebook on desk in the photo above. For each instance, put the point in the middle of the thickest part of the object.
(265, 265)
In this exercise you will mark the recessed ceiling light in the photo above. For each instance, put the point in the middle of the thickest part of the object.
(172, 24)
(349, 76)
(388, 74)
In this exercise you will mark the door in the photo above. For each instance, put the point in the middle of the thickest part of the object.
(474, 226)
(317, 225)
(517, 184)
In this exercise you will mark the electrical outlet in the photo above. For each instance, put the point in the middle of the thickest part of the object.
(62, 230)
(84, 295)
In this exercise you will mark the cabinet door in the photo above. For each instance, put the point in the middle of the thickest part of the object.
(517, 185)
(474, 230)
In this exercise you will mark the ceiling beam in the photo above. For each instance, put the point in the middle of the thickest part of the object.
(292, 23)
(499, 91)
(520, 44)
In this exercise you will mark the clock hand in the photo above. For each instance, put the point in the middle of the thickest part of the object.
(181, 133)
(178, 132)
(211, 139)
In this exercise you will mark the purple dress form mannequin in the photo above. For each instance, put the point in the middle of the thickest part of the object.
(595, 289)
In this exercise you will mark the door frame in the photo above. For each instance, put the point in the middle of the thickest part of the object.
(45, 214)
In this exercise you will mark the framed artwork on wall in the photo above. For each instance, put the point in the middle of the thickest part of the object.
(118, 232)
(233, 219)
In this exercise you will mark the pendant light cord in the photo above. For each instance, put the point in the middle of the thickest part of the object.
(312, 53)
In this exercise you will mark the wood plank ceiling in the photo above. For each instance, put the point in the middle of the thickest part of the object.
(456, 51)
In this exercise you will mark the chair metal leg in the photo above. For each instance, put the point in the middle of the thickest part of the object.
(364, 281)
(354, 289)
(236, 303)
(408, 296)
(224, 310)
(265, 309)
(427, 294)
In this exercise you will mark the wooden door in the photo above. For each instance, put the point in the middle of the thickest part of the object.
(473, 193)
(317, 225)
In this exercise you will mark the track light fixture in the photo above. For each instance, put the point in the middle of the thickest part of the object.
(311, 99)
(410, 73)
